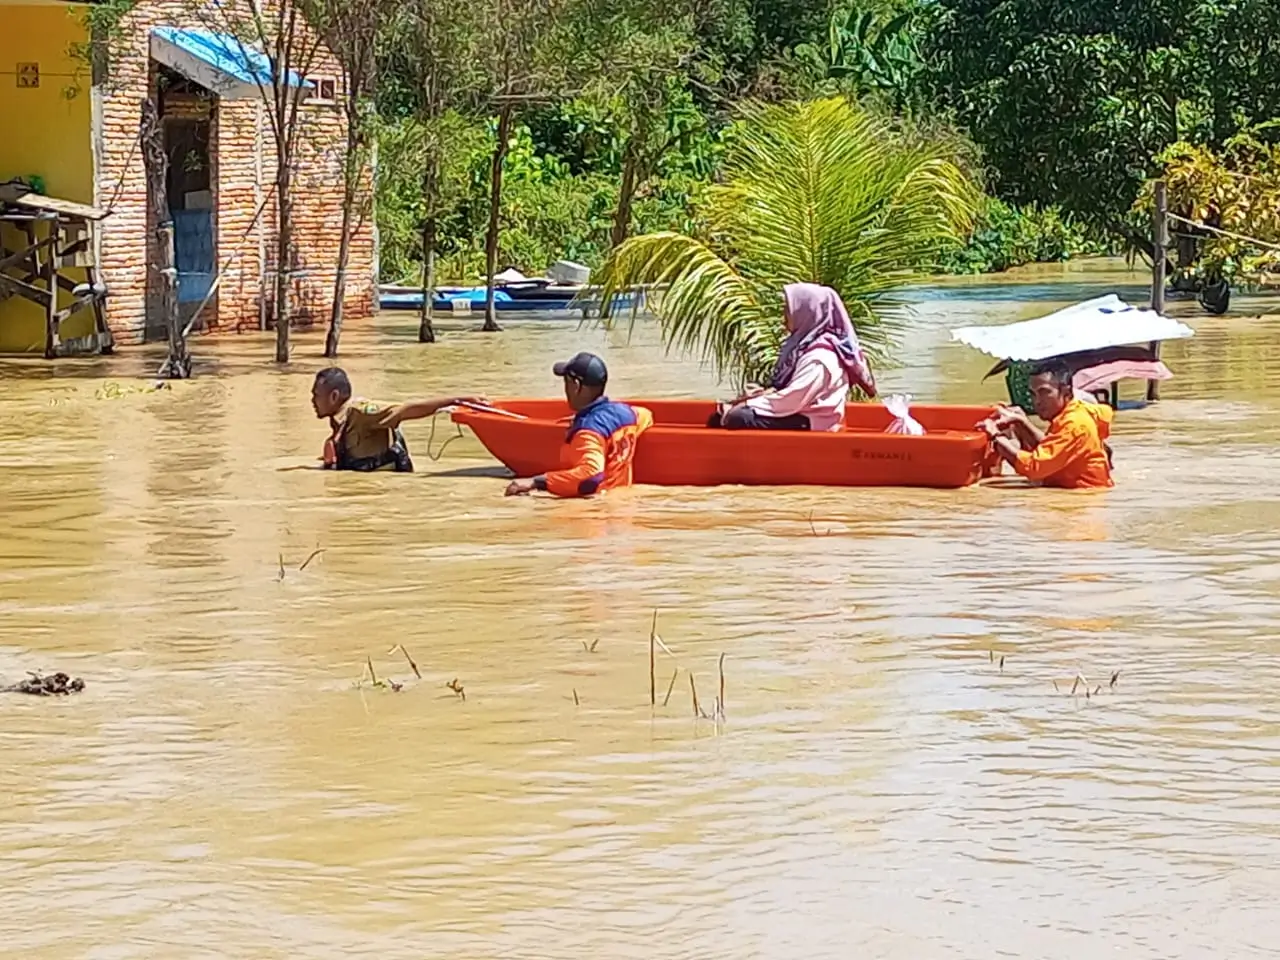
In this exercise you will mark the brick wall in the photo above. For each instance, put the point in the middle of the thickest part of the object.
(243, 170)
(186, 106)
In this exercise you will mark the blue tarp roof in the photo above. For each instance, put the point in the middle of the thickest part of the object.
(235, 58)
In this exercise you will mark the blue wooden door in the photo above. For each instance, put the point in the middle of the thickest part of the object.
(193, 253)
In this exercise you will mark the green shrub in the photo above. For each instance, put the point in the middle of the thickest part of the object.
(549, 212)
(1006, 236)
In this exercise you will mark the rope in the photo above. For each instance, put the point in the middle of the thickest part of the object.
(227, 261)
(431, 438)
(1226, 233)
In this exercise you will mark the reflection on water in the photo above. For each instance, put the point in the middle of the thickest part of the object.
(882, 787)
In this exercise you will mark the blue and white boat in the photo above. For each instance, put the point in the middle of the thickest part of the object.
(540, 295)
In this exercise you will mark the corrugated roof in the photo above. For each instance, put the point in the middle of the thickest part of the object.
(1093, 325)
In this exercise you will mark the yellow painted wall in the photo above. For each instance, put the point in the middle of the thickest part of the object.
(45, 132)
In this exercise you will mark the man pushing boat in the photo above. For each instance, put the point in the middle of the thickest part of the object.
(601, 441)
(365, 435)
(1072, 453)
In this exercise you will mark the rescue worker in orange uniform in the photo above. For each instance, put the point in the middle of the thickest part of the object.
(1070, 454)
(1103, 416)
(601, 442)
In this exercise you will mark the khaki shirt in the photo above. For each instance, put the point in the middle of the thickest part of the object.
(361, 435)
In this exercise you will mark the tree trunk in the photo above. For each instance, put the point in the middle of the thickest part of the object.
(426, 326)
(626, 196)
(164, 274)
(495, 208)
(631, 175)
(1222, 121)
(344, 257)
(284, 261)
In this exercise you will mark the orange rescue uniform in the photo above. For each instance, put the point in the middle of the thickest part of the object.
(1071, 455)
(1102, 414)
(598, 450)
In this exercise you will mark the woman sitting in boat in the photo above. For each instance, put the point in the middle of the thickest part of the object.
(818, 364)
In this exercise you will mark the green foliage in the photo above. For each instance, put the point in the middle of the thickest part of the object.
(755, 40)
(589, 134)
(102, 22)
(822, 192)
(1236, 190)
(401, 204)
(1071, 100)
(1005, 236)
(866, 54)
(550, 210)
(1059, 100)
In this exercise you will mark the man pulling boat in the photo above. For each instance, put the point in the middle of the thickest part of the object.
(365, 436)
(601, 441)
(1071, 454)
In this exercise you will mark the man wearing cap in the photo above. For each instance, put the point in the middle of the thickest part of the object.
(601, 442)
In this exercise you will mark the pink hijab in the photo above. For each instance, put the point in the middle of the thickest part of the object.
(820, 320)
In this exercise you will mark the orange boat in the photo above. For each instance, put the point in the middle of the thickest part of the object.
(680, 450)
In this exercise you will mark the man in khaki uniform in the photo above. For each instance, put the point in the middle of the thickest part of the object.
(366, 436)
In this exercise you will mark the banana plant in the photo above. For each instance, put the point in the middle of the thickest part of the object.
(868, 54)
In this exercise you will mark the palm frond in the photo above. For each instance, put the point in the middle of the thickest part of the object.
(821, 192)
(703, 305)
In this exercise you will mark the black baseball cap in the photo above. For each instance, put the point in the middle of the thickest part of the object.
(586, 368)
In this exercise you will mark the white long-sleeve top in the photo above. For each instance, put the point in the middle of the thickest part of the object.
(818, 390)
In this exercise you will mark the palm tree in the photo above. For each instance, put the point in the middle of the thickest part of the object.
(821, 192)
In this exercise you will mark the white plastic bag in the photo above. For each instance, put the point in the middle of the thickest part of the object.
(899, 404)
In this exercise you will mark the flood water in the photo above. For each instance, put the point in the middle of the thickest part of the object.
(880, 787)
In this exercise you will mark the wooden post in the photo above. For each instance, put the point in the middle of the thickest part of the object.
(1160, 250)
(106, 341)
(50, 275)
(178, 364)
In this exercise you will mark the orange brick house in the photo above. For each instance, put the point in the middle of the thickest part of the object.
(218, 137)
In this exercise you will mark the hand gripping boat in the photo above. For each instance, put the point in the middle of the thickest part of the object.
(680, 450)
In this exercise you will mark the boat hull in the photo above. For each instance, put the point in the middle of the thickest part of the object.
(679, 450)
(410, 301)
(508, 299)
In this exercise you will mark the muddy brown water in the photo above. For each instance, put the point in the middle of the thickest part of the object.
(880, 788)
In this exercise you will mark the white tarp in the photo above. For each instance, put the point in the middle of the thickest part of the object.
(567, 272)
(1093, 325)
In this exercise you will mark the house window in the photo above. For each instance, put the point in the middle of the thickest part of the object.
(323, 92)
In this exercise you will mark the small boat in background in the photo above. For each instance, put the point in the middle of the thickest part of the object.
(528, 296)
(680, 450)
(512, 292)
(471, 299)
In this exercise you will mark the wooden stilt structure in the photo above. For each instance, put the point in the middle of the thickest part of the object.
(57, 236)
